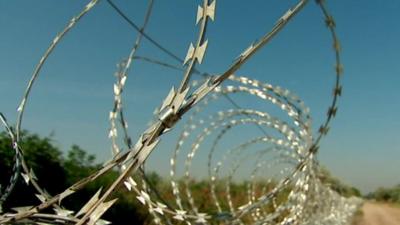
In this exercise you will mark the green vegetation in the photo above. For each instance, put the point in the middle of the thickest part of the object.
(336, 185)
(56, 172)
(391, 195)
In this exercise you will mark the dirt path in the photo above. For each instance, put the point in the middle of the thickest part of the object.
(379, 214)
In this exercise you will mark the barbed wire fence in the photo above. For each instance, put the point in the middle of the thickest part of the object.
(290, 146)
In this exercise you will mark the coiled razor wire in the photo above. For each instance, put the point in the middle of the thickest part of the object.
(284, 186)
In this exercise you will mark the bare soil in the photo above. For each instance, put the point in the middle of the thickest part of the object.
(379, 214)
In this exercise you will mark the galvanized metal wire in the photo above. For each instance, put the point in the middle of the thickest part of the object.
(285, 161)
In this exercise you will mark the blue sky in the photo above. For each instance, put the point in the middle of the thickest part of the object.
(74, 91)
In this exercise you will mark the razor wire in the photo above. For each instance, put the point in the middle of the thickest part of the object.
(292, 194)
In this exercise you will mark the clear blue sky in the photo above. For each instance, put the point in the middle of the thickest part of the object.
(74, 92)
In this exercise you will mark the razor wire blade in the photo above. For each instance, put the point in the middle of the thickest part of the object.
(290, 147)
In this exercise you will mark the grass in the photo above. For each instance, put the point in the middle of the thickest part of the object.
(358, 215)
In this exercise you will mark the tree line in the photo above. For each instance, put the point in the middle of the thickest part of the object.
(57, 171)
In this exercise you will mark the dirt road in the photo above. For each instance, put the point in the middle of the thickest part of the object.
(379, 214)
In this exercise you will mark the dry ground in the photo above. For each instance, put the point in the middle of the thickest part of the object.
(379, 214)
